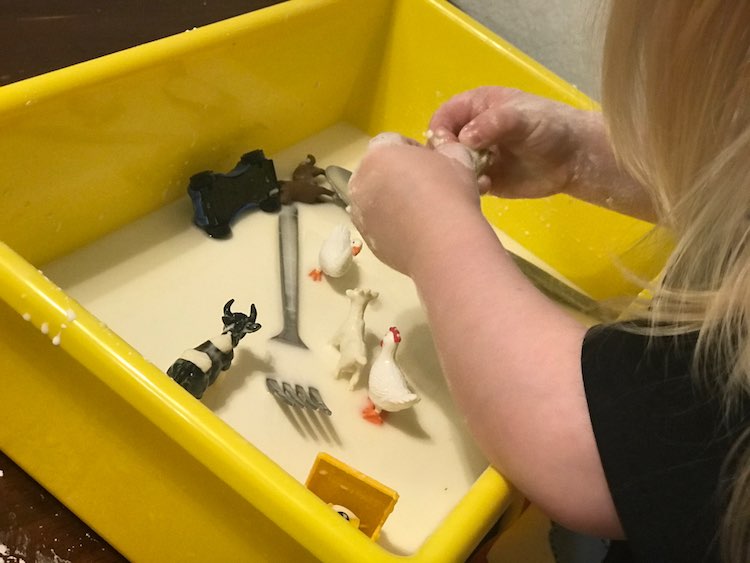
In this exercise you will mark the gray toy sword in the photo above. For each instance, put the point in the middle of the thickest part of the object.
(289, 263)
(297, 395)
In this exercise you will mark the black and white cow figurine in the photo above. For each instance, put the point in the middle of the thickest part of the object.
(198, 367)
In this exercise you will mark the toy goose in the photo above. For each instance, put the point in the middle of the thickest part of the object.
(336, 254)
(388, 389)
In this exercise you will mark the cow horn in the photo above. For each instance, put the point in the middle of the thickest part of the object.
(227, 308)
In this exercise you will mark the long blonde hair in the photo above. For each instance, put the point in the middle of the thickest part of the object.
(676, 95)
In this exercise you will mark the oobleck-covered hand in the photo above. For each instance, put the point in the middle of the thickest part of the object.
(406, 198)
(534, 141)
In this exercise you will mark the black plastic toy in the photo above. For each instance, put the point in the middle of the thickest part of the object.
(199, 367)
(219, 198)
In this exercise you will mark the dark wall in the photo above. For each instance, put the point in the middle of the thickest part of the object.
(37, 36)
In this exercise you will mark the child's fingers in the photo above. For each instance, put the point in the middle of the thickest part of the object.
(484, 182)
(500, 125)
(458, 153)
(439, 136)
(454, 114)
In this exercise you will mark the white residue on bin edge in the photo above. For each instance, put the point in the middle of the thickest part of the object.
(70, 314)
(44, 328)
(26, 316)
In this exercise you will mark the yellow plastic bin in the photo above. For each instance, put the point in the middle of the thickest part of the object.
(94, 147)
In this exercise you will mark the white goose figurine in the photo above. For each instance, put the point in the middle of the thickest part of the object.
(387, 388)
(336, 254)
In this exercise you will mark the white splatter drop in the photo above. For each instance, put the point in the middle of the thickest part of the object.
(44, 328)
(70, 314)
(27, 316)
(56, 339)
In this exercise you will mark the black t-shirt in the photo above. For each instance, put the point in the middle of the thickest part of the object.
(662, 439)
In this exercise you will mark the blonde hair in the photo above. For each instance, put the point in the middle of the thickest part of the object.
(676, 96)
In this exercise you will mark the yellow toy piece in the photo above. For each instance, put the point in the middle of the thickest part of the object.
(342, 486)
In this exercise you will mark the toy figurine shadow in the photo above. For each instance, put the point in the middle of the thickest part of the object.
(197, 368)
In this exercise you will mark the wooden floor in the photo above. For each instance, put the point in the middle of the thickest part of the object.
(37, 36)
(35, 526)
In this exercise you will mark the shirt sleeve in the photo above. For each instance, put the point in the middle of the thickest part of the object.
(660, 439)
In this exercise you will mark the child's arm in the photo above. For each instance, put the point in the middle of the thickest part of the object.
(540, 148)
(511, 357)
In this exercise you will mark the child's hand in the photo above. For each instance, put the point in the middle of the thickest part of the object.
(406, 198)
(535, 142)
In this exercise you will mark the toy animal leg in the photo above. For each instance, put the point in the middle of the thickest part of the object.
(353, 373)
(351, 368)
(196, 386)
(354, 379)
(226, 360)
(189, 377)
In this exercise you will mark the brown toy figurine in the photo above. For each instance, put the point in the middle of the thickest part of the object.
(303, 186)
